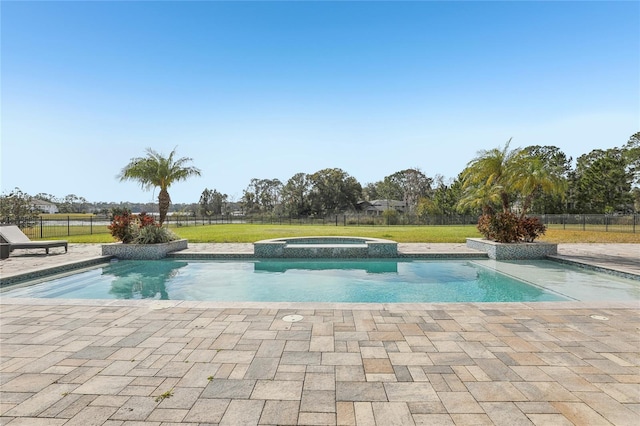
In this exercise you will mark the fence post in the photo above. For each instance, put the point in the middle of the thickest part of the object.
(584, 222)
(90, 225)
(41, 228)
(606, 223)
(68, 225)
(634, 223)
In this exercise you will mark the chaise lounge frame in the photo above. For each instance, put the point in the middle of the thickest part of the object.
(16, 239)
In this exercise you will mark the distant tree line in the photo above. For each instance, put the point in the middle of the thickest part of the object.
(546, 182)
(542, 180)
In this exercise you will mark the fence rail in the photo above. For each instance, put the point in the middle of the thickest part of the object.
(82, 225)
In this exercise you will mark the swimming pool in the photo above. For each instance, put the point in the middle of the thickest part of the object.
(378, 281)
(336, 280)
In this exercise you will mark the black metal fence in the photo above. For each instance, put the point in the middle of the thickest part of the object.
(593, 222)
(64, 226)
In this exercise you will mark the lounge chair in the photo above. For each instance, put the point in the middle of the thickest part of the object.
(16, 239)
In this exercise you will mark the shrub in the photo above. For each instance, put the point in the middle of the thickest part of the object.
(509, 228)
(139, 229)
(484, 226)
(531, 228)
(501, 227)
(122, 227)
(154, 234)
(145, 220)
(390, 217)
(361, 220)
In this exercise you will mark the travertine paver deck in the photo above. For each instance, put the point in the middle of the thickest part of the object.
(159, 363)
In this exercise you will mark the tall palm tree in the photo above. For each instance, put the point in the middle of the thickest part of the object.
(487, 178)
(155, 170)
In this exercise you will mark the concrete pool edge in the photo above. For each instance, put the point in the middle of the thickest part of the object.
(53, 270)
(595, 268)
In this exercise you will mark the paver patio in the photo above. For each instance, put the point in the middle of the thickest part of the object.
(71, 362)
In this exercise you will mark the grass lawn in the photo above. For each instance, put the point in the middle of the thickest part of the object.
(65, 216)
(249, 233)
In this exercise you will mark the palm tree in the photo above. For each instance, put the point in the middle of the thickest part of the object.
(480, 197)
(155, 170)
(530, 176)
(498, 174)
(487, 178)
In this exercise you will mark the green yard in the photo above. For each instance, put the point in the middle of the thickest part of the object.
(249, 233)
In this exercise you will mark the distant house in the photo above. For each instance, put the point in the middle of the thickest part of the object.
(45, 206)
(377, 207)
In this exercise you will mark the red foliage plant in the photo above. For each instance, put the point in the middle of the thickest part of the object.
(506, 227)
(144, 219)
(531, 228)
(123, 226)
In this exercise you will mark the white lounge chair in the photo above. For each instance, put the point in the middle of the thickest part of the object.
(16, 239)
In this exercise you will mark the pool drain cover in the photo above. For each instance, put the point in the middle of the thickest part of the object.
(160, 305)
(599, 317)
(292, 318)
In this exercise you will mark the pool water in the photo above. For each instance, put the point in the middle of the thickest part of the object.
(379, 281)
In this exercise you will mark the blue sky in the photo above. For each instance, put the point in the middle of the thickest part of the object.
(269, 89)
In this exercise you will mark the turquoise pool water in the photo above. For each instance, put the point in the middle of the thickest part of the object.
(379, 281)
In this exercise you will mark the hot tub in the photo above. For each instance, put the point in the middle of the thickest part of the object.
(325, 247)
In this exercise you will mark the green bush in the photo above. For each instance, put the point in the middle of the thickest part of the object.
(390, 217)
(154, 234)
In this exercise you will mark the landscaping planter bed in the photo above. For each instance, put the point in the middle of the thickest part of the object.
(513, 251)
(143, 251)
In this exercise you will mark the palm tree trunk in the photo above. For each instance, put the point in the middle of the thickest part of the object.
(526, 205)
(164, 201)
(505, 201)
